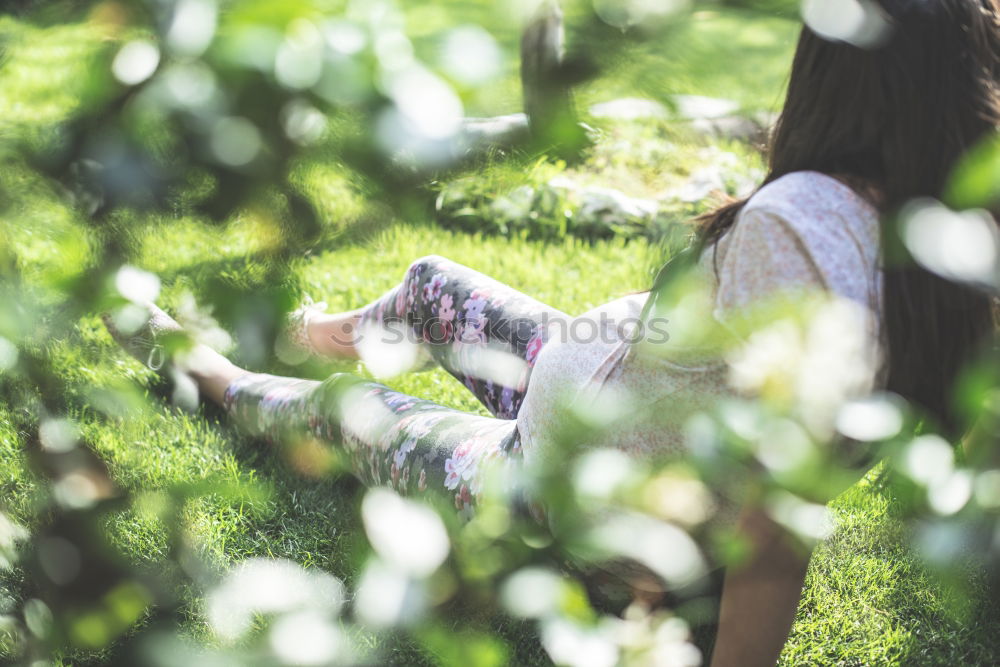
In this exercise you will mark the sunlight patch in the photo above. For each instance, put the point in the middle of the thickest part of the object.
(929, 459)
(235, 141)
(137, 285)
(532, 592)
(307, 638)
(951, 494)
(8, 354)
(626, 14)
(870, 419)
(857, 22)
(568, 643)
(408, 535)
(602, 473)
(387, 597)
(262, 586)
(471, 55)
(959, 246)
(192, 27)
(299, 61)
(59, 435)
(662, 547)
(808, 520)
(135, 62)
(388, 349)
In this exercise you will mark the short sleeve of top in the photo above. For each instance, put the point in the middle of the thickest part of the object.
(803, 232)
(763, 256)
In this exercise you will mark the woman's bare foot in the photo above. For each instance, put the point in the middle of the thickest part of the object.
(334, 335)
(312, 332)
(150, 343)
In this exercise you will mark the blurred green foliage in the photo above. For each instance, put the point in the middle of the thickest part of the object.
(223, 159)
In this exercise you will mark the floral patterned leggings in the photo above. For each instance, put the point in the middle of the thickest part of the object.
(487, 335)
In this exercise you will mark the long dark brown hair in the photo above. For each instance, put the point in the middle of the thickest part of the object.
(891, 121)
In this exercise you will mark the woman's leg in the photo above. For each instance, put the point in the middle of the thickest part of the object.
(484, 333)
(387, 438)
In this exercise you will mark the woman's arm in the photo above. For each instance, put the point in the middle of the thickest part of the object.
(760, 597)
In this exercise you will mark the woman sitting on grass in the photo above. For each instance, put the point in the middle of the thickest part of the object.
(863, 132)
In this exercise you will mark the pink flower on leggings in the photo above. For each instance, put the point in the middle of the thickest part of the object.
(453, 472)
(400, 456)
(534, 347)
(446, 311)
(398, 402)
(457, 466)
(414, 271)
(432, 290)
(475, 306)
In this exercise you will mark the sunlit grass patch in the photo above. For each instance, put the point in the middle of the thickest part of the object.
(42, 73)
(869, 600)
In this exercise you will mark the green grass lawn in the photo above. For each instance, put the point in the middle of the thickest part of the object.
(868, 600)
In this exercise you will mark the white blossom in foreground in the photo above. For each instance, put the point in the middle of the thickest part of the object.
(811, 365)
(408, 535)
(264, 586)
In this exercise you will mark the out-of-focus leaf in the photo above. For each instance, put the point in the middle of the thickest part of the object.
(462, 648)
(975, 181)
